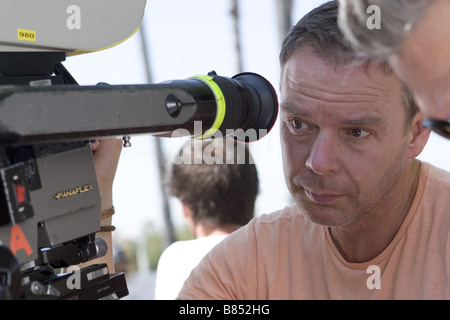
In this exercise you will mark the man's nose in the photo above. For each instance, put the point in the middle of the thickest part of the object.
(324, 154)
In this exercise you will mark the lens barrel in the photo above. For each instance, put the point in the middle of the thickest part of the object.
(251, 105)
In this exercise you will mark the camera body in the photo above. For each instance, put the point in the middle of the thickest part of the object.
(49, 197)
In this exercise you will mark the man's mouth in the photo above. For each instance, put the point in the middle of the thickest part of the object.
(322, 197)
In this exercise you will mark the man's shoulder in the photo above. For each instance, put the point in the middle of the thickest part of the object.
(176, 247)
(184, 251)
(287, 213)
(433, 190)
(193, 244)
(438, 175)
(436, 181)
(289, 216)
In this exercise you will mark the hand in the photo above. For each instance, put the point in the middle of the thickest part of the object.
(106, 159)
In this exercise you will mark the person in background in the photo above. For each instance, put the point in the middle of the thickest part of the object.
(216, 182)
(414, 36)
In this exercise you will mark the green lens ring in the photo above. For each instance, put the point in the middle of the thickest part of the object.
(221, 105)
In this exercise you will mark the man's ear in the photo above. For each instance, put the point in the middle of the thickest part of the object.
(418, 136)
(187, 212)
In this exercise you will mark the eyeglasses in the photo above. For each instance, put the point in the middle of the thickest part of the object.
(441, 127)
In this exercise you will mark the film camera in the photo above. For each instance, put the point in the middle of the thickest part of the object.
(49, 196)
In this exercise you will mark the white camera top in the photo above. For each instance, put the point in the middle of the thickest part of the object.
(70, 26)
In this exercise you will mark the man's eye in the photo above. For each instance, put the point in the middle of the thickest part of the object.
(297, 124)
(358, 133)
(298, 127)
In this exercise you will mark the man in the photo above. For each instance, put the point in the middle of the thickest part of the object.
(216, 182)
(371, 221)
(414, 36)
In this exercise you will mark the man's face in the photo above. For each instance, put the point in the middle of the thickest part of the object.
(423, 61)
(343, 136)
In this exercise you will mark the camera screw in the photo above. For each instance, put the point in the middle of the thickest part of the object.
(126, 141)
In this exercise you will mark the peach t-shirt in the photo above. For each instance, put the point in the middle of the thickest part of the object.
(285, 256)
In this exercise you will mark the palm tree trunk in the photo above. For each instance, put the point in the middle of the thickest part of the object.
(160, 158)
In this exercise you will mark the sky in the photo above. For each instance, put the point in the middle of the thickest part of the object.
(187, 38)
